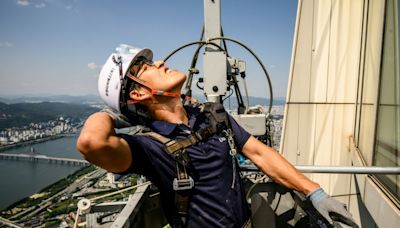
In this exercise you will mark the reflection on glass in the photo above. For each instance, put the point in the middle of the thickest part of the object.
(369, 81)
(387, 142)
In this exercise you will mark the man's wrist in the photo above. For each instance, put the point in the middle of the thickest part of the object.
(317, 195)
(108, 112)
(119, 120)
(310, 187)
(105, 115)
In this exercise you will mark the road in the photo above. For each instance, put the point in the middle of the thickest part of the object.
(9, 223)
(71, 188)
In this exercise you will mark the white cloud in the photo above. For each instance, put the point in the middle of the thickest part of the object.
(40, 5)
(68, 7)
(22, 2)
(6, 44)
(93, 66)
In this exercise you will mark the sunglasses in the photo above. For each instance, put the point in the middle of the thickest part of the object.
(134, 72)
(136, 67)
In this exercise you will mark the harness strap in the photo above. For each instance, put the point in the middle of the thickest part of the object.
(157, 137)
(183, 183)
(173, 146)
(182, 186)
(176, 149)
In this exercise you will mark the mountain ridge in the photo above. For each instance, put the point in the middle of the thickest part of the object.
(90, 99)
(22, 114)
(84, 99)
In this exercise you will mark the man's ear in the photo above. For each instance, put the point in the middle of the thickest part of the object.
(140, 94)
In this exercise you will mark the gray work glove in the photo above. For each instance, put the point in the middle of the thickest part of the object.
(120, 121)
(329, 207)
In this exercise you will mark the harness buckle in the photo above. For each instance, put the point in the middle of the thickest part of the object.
(181, 157)
(183, 184)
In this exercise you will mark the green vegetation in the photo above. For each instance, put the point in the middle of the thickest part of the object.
(65, 182)
(64, 207)
(51, 223)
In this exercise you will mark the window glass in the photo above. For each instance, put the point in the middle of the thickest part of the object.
(387, 141)
(369, 79)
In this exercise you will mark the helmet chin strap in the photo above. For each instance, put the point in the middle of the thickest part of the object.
(164, 93)
(157, 93)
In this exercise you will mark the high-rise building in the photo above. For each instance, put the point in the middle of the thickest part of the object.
(343, 102)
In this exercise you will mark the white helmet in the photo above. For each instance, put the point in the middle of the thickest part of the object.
(112, 74)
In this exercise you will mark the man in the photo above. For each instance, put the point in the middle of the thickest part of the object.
(149, 93)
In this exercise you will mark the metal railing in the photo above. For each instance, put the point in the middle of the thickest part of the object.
(336, 169)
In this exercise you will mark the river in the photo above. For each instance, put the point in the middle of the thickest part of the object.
(19, 179)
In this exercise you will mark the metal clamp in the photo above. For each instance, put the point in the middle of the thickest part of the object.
(183, 184)
(228, 133)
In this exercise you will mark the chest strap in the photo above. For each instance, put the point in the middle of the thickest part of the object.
(176, 148)
(183, 183)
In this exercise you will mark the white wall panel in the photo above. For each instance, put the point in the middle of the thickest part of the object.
(298, 143)
(289, 142)
(340, 154)
(323, 142)
(333, 129)
(320, 51)
(344, 50)
(305, 144)
(300, 84)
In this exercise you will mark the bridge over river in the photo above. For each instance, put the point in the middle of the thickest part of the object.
(44, 158)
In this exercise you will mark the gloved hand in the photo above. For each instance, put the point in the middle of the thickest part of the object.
(120, 121)
(329, 207)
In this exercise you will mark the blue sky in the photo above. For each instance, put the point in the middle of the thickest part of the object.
(58, 46)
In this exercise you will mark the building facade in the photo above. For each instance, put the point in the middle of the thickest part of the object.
(343, 102)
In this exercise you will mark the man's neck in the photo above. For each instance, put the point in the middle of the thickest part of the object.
(169, 110)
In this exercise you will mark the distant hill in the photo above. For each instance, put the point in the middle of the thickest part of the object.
(49, 98)
(16, 111)
(21, 114)
(90, 99)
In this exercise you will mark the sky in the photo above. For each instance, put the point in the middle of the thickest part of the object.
(57, 47)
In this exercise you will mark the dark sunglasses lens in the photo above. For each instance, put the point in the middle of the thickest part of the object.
(137, 66)
(135, 69)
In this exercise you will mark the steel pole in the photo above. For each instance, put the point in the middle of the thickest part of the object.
(337, 169)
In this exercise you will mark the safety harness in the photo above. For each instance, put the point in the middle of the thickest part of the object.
(218, 123)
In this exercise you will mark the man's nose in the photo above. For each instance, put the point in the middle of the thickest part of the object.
(159, 63)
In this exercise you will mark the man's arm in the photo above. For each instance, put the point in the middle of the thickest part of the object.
(99, 145)
(277, 167)
(282, 172)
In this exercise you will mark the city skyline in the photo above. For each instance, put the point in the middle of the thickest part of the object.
(57, 47)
